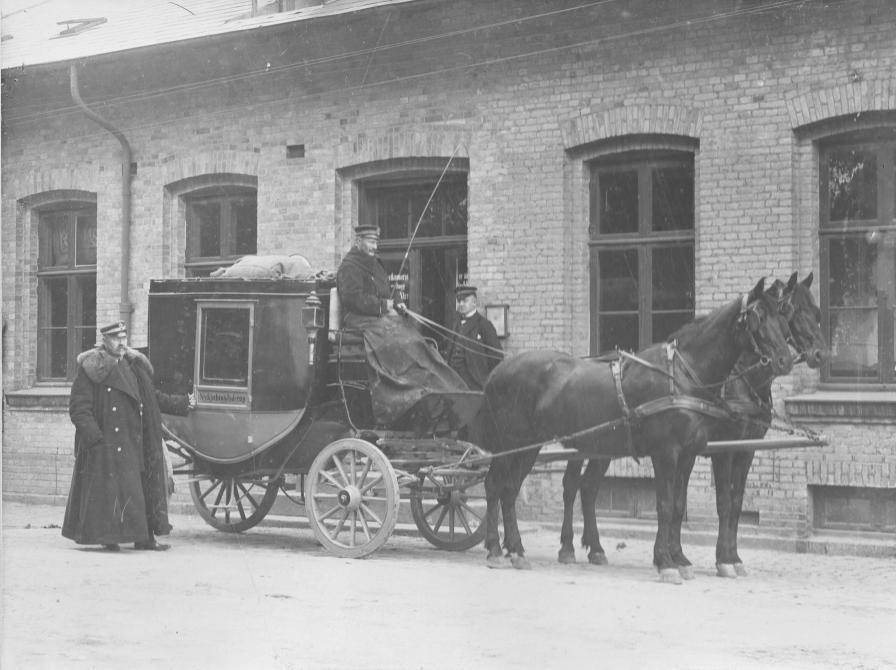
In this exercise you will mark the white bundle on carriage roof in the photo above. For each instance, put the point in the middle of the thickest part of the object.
(294, 266)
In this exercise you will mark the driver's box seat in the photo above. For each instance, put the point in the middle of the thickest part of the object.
(346, 345)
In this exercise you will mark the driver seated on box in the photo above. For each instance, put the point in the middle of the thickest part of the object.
(363, 283)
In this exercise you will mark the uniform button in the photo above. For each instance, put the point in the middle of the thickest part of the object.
(119, 448)
(108, 389)
(116, 429)
(114, 409)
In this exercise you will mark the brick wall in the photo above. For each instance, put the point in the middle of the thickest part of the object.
(746, 89)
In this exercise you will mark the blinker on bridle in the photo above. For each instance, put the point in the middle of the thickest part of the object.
(743, 319)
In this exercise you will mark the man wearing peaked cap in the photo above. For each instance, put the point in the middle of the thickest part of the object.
(362, 281)
(119, 484)
(473, 350)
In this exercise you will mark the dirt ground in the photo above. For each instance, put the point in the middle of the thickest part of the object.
(272, 598)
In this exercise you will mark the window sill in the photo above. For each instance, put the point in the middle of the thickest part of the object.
(40, 397)
(843, 407)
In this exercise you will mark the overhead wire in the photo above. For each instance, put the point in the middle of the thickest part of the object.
(686, 23)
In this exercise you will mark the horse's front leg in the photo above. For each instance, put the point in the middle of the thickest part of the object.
(722, 469)
(594, 475)
(739, 471)
(682, 477)
(664, 483)
(571, 479)
(494, 557)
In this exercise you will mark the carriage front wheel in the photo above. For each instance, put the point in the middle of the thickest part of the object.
(234, 503)
(353, 498)
(449, 510)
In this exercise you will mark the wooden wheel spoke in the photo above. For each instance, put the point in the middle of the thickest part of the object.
(340, 525)
(373, 515)
(438, 523)
(330, 478)
(247, 495)
(469, 509)
(363, 477)
(372, 483)
(432, 510)
(338, 463)
(330, 512)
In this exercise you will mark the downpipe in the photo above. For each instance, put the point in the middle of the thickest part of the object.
(124, 306)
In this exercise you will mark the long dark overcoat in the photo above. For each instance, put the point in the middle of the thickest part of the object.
(478, 346)
(118, 492)
(363, 286)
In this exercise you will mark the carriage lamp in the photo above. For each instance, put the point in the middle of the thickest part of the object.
(497, 314)
(313, 321)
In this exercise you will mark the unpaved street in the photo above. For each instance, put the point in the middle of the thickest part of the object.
(271, 598)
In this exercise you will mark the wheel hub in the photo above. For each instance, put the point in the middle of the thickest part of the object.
(349, 498)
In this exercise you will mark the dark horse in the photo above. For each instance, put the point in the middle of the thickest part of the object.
(538, 396)
(748, 393)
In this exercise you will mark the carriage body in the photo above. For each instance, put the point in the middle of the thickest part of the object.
(248, 351)
(283, 403)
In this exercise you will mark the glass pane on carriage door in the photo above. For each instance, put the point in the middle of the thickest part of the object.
(618, 206)
(672, 278)
(618, 300)
(225, 346)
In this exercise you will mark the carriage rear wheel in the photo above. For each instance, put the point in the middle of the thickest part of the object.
(353, 498)
(449, 510)
(236, 503)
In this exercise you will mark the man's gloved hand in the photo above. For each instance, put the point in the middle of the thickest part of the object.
(401, 308)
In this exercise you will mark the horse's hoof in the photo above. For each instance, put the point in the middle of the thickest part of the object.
(598, 558)
(740, 569)
(670, 576)
(726, 570)
(498, 562)
(566, 556)
(520, 562)
(686, 571)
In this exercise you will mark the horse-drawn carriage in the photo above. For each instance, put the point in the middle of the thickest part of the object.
(283, 402)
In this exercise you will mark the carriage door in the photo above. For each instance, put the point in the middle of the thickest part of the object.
(437, 259)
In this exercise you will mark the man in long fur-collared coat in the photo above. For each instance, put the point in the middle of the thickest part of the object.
(119, 484)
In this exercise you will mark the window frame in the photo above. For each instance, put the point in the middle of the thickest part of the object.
(226, 196)
(644, 240)
(74, 275)
(882, 142)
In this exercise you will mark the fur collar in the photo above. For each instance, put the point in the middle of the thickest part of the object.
(99, 363)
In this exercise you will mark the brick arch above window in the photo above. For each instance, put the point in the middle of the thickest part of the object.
(805, 109)
(210, 163)
(667, 119)
(371, 147)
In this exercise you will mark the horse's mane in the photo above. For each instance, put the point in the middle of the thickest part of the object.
(686, 329)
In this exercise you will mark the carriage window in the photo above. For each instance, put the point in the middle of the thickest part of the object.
(225, 346)
(642, 247)
(858, 256)
(222, 225)
(66, 288)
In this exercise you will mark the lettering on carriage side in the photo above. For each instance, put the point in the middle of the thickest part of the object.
(223, 397)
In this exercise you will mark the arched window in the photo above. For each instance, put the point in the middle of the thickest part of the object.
(858, 254)
(641, 239)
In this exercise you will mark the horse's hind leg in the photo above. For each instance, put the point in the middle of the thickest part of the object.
(520, 466)
(571, 479)
(594, 475)
(682, 476)
(496, 473)
(739, 471)
(722, 470)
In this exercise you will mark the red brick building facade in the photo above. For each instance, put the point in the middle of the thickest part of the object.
(762, 120)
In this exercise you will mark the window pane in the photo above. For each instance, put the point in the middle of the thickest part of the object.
(225, 346)
(57, 302)
(618, 331)
(453, 207)
(618, 205)
(58, 353)
(431, 223)
(392, 214)
(618, 280)
(245, 219)
(58, 244)
(206, 216)
(87, 301)
(673, 198)
(667, 323)
(673, 278)
(853, 268)
(86, 252)
(852, 185)
(854, 343)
